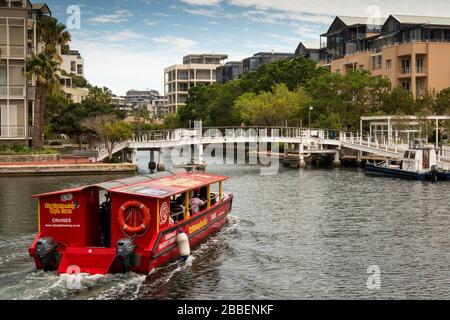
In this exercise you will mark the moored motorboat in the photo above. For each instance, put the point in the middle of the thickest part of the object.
(142, 223)
(418, 163)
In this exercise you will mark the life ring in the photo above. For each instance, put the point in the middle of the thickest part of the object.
(130, 212)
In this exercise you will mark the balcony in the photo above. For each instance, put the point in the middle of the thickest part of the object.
(421, 71)
(12, 51)
(12, 132)
(12, 3)
(404, 72)
(13, 91)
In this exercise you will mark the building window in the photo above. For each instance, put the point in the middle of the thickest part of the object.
(73, 66)
(406, 86)
(388, 64)
(419, 65)
(406, 66)
(3, 78)
(420, 87)
(377, 60)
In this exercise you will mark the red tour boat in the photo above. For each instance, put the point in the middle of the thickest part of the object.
(134, 224)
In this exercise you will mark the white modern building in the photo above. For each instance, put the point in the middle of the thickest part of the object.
(17, 42)
(76, 95)
(197, 69)
(72, 62)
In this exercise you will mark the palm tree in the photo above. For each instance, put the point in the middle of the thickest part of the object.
(53, 35)
(46, 71)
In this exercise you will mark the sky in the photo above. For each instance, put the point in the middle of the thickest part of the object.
(127, 44)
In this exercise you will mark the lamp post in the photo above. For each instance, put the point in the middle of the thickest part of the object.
(310, 109)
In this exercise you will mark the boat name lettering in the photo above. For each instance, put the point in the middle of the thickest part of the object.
(56, 220)
(198, 226)
(60, 208)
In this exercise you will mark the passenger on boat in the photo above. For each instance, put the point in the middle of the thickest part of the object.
(177, 209)
(196, 203)
(105, 218)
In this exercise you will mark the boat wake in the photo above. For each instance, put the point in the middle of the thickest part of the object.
(19, 279)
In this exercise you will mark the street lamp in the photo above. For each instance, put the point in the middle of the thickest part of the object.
(310, 109)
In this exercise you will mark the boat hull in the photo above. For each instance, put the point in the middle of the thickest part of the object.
(375, 170)
(161, 250)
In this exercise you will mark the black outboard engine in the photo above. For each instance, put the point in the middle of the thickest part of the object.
(125, 252)
(46, 253)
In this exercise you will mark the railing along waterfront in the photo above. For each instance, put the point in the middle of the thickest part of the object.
(358, 138)
(360, 141)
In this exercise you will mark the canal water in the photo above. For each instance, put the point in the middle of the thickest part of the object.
(301, 234)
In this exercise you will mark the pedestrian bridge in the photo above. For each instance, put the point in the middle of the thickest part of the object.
(306, 141)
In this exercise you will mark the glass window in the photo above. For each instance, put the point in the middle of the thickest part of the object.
(3, 78)
(388, 64)
(3, 37)
(16, 36)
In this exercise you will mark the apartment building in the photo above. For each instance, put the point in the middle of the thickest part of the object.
(310, 53)
(72, 62)
(229, 71)
(412, 51)
(121, 104)
(197, 69)
(73, 93)
(252, 63)
(141, 97)
(17, 42)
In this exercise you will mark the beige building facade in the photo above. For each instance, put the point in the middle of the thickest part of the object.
(413, 52)
(195, 70)
(17, 42)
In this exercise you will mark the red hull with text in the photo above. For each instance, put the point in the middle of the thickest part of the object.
(135, 224)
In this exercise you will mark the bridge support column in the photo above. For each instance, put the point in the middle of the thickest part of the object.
(161, 166)
(201, 161)
(359, 158)
(337, 162)
(302, 162)
(133, 154)
(152, 164)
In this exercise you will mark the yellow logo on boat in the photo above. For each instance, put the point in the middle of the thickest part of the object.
(195, 227)
(60, 208)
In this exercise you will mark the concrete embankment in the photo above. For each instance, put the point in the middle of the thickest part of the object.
(66, 169)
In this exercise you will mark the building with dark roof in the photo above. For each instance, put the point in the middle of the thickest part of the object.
(412, 51)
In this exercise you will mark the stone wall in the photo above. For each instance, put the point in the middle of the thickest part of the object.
(28, 158)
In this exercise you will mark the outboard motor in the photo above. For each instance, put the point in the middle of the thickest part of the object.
(125, 252)
(46, 253)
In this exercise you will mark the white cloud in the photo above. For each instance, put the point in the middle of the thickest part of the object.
(202, 2)
(283, 38)
(124, 35)
(202, 12)
(348, 7)
(121, 67)
(178, 43)
(116, 17)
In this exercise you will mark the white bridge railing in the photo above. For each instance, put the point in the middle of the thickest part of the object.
(360, 141)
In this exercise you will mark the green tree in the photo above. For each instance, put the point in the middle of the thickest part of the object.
(345, 98)
(54, 35)
(100, 95)
(399, 102)
(272, 108)
(292, 72)
(110, 130)
(442, 102)
(45, 69)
